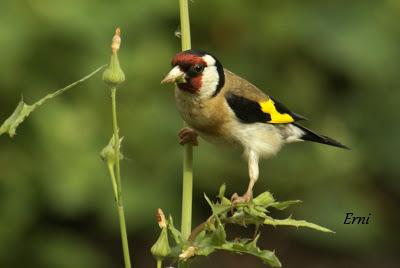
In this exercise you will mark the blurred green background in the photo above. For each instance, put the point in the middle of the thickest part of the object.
(336, 63)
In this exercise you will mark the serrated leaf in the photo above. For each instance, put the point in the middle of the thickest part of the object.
(296, 223)
(205, 251)
(225, 201)
(176, 234)
(221, 192)
(266, 256)
(23, 110)
(243, 218)
(283, 205)
(209, 202)
(263, 199)
(217, 209)
(219, 235)
(253, 212)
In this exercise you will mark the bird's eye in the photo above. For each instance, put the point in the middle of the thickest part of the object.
(198, 68)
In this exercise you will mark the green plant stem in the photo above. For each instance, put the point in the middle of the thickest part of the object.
(185, 24)
(187, 185)
(159, 264)
(116, 139)
(187, 190)
(187, 180)
(113, 181)
(117, 180)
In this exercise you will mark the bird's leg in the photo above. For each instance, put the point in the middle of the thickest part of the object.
(253, 175)
(188, 135)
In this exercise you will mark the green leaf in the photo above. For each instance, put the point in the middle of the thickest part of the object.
(176, 234)
(222, 189)
(217, 209)
(204, 243)
(283, 205)
(209, 202)
(296, 223)
(245, 217)
(219, 235)
(264, 199)
(254, 212)
(18, 116)
(23, 110)
(251, 248)
(205, 251)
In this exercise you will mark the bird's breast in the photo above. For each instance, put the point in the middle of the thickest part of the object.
(199, 114)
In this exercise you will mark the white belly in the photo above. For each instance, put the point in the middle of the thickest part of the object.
(264, 139)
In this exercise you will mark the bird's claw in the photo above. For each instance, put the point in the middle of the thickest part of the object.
(235, 199)
(188, 136)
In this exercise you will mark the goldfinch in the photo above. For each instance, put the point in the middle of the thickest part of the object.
(224, 108)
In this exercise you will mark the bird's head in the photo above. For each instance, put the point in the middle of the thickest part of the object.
(196, 72)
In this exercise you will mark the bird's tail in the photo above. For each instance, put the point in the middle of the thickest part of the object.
(311, 136)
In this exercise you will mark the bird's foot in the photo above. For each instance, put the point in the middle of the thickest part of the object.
(188, 136)
(235, 199)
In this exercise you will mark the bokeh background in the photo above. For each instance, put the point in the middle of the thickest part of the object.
(335, 62)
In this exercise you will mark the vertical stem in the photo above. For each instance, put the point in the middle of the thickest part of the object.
(187, 184)
(185, 24)
(117, 180)
(187, 181)
(187, 189)
(113, 181)
(116, 140)
(124, 236)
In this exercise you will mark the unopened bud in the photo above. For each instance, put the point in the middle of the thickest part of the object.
(116, 41)
(161, 219)
(114, 75)
(161, 248)
(108, 152)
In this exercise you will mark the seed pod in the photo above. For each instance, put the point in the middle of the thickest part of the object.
(113, 75)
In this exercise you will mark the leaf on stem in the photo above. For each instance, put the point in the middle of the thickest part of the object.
(296, 223)
(108, 152)
(176, 234)
(251, 248)
(17, 117)
(23, 110)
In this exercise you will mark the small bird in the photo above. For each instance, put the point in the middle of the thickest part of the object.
(224, 108)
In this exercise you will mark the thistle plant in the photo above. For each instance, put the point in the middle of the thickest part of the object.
(114, 76)
(211, 236)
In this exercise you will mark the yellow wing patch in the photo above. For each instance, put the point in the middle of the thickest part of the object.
(269, 107)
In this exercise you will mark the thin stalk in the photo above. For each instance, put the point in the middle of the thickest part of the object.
(113, 181)
(117, 180)
(185, 24)
(116, 140)
(187, 190)
(159, 264)
(187, 180)
(187, 185)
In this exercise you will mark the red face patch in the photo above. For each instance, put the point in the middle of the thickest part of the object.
(186, 62)
(183, 59)
(193, 84)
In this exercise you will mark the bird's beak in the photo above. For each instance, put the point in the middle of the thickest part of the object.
(174, 76)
